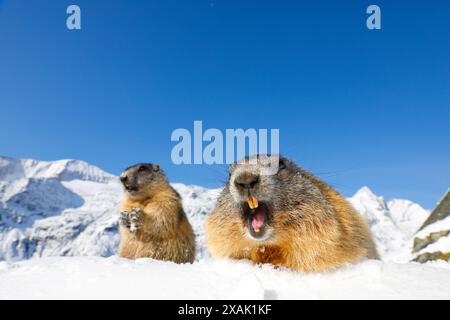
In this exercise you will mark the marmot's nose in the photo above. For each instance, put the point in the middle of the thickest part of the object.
(246, 180)
(123, 178)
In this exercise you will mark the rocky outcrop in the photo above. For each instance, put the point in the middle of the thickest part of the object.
(432, 241)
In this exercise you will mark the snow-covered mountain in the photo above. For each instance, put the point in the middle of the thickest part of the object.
(393, 223)
(70, 208)
(407, 215)
(63, 207)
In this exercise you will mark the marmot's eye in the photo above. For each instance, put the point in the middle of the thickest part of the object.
(281, 165)
(142, 169)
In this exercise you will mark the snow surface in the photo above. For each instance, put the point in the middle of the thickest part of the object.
(115, 278)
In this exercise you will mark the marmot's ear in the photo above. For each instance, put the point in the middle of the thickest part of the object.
(155, 167)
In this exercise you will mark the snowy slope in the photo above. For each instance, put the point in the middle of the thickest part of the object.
(114, 278)
(392, 223)
(63, 207)
(407, 216)
(70, 208)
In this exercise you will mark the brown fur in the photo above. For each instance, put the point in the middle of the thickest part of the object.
(313, 227)
(164, 232)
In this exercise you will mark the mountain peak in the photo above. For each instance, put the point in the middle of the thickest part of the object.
(365, 192)
(65, 170)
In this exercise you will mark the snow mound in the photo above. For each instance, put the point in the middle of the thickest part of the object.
(115, 278)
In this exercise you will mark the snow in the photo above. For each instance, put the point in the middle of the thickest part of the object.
(442, 245)
(198, 202)
(407, 215)
(65, 207)
(115, 278)
(392, 223)
(437, 226)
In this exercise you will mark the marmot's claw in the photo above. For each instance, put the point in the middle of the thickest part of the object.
(123, 219)
(135, 219)
(131, 219)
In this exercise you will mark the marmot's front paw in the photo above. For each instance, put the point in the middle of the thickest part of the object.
(123, 219)
(131, 219)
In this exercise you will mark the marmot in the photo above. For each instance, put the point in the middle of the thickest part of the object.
(153, 223)
(290, 219)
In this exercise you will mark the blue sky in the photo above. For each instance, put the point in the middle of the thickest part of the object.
(356, 107)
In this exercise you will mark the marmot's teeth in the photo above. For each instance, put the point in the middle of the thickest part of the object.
(257, 230)
(252, 202)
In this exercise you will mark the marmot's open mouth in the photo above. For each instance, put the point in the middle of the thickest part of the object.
(256, 218)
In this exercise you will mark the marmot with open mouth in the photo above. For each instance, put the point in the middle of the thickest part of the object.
(289, 218)
(153, 223)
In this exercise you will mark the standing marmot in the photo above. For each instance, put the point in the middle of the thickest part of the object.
(289, 219)
(153, 223)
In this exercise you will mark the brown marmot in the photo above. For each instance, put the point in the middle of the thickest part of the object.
(153, 223)
(289, 218)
